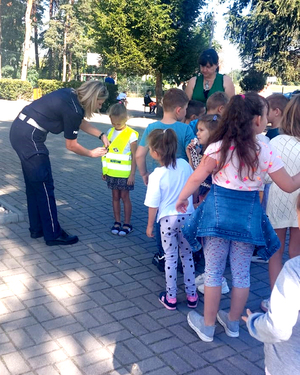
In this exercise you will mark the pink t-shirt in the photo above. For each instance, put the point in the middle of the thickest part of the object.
(228, 176)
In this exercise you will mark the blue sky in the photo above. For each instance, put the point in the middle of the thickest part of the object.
(229, 58)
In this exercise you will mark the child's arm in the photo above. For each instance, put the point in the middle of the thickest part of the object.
(277, 324)
(204, 169)
(286, 182)
(133, 147)
(151, 219)
(141, 154)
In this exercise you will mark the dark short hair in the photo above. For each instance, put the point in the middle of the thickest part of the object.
(277, 101)
(194, 108)
(209, 56)
(174, 98)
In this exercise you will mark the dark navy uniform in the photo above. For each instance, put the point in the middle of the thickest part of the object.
(56, 112)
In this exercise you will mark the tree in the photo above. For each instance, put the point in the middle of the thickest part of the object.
(27, 39)
(12, 26)
(66, 38)
(138, 37)
(252, 80)
(268, 36)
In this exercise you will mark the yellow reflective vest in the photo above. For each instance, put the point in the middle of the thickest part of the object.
(115, 163)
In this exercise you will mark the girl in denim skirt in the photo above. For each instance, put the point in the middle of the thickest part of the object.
(231, 219)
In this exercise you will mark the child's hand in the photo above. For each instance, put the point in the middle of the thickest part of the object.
(245, 318)
(104, 177)
(182, 205)
(149, 231)
(191, 145)
(130, 180)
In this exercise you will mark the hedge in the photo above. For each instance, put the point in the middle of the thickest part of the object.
(13, 89)
(47, 85)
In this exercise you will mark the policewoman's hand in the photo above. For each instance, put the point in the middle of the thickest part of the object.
(97, 152)
(105, 140)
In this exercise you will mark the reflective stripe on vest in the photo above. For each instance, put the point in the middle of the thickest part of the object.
(115, 163)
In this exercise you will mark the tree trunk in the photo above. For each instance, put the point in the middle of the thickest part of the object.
(36, 48)
(65, 56)
(159, 94)
(70, 67)
(26, 40)
(0, 39)
(35, 28)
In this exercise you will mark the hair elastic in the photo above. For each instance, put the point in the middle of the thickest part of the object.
(165, 130)
(215, 118)
(243, 96)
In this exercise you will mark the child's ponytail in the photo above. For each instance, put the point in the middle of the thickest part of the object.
(164, 142)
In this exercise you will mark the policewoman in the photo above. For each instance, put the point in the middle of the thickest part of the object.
(60, 111)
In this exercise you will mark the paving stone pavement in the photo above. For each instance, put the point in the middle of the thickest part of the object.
(92, 308)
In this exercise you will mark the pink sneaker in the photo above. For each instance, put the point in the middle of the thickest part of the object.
(192, 301)
(169, 304)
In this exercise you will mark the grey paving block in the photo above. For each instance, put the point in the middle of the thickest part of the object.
(102, 367)
(126, 313)
(48, 370)
(20, 339)
(138, 348)
(40, 349)
(66, 330)
(115, 338)
(225, 367)
(123, 355)
(134, 327)
(15, 363)
(148, 322)
(245, 365)
(146, 365)
(38, 333)
(218, 354)
(166, 345)
(41, 313)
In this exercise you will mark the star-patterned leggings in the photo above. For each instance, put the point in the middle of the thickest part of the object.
(172, 241)
(216, 250)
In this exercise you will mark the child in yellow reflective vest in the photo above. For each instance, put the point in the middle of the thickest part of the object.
(119, 166)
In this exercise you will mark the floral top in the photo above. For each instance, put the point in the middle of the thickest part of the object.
(228, 176)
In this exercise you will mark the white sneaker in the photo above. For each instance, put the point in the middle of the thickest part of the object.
(199, 281)
(258, 259)
(265, 305)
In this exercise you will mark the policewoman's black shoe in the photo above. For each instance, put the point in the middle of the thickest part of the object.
(37, 234)
(63, 239)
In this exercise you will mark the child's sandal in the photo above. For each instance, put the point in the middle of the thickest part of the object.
(126, 229)
(116, 228)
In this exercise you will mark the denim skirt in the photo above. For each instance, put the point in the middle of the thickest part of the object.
(234, 215)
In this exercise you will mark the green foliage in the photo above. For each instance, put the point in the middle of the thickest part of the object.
(13, 31)
(8, 71)
(268, 36)
(13, 89)
(33, 76)
(69, 25)
(139, 37)
(252, 81)
(49, 85)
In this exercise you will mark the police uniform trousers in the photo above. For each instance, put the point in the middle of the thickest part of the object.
(28, 142)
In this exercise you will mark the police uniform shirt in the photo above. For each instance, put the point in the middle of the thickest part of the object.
(57, 112)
